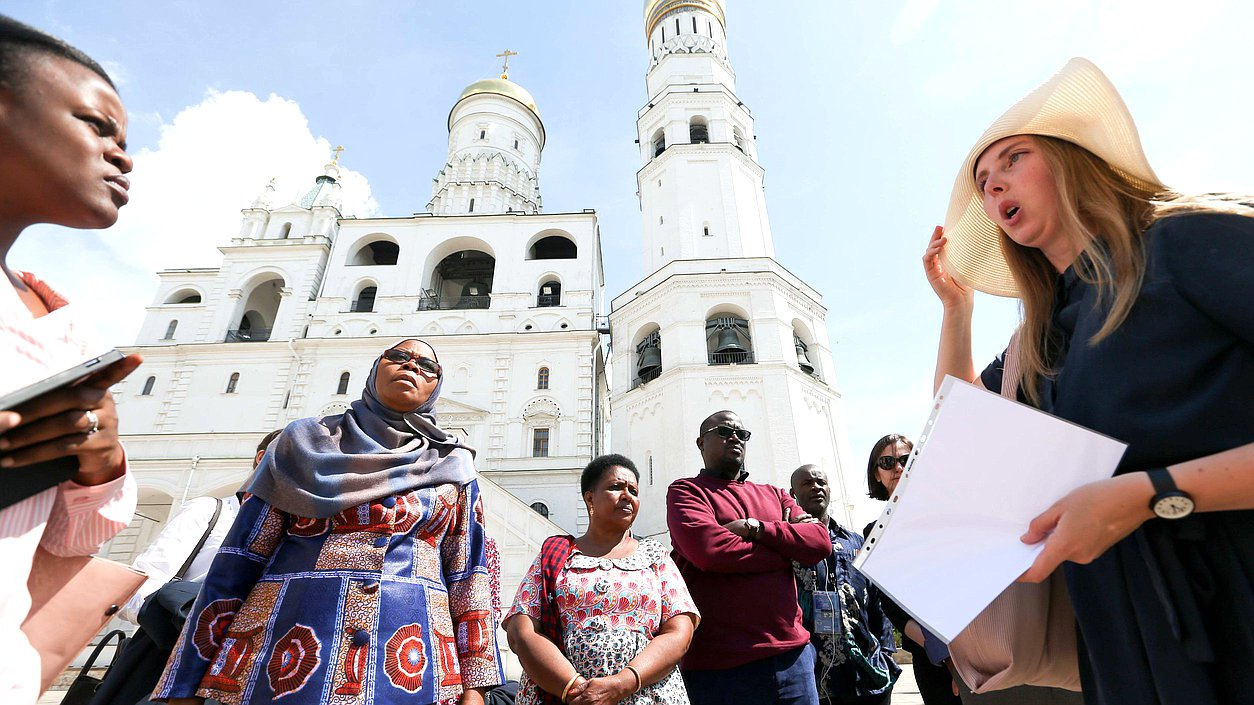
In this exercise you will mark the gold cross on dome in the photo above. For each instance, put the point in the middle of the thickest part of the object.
(505, 67)
(336, 159)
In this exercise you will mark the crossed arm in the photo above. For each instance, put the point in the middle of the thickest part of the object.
(716, 547)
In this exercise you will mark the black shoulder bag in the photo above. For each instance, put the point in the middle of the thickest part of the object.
(138, 667)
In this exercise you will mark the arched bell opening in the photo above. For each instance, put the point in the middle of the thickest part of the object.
(462, 280)
(728, 340)
(648, 358)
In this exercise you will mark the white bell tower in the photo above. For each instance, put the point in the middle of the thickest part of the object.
(700, 184)
(716, 323)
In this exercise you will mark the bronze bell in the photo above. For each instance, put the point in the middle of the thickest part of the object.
(650, 360)
(803, 360)
(728, 342)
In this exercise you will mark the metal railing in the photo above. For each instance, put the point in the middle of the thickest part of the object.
(744, 357)
(254, 335)
(362, 306)
(549, 300)
(445, 303)
(647, 376)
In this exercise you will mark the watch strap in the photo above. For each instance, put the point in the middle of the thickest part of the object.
(1162, 481)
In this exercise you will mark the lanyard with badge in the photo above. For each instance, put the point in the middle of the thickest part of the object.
(827, 602)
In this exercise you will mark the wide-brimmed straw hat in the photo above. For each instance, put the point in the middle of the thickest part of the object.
(1078, 104)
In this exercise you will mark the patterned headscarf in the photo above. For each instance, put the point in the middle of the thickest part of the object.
(320, 466)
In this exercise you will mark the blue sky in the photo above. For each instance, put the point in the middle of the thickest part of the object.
(863, 113)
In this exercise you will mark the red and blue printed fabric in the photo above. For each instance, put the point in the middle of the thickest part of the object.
(386, 602)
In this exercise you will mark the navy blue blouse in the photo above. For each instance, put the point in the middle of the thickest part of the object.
(1167, 614)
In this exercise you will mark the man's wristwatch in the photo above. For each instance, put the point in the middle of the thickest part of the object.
(1169, 501)
(755, 528)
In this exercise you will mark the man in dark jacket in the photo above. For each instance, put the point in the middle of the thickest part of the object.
(851, 634)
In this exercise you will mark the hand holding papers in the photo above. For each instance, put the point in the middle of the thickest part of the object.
(984, 467)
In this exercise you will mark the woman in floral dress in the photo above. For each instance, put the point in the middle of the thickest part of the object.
(603, 618)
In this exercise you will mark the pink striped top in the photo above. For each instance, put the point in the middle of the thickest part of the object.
(68, 520)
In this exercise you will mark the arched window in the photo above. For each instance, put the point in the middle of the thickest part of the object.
(461, 280)
(148, 385)
(727, 340)
(232, 382)
(540, 443)
(648, 359)
(698, 131)
(169, 330)
(542, 378)
(365, 300)
(541, 508)
(739, 138)
(803, 356)
(343, 386)
(659, 142)
(550, 294)
(286, 231)
(472, 206)
(378, 252)
(553, 247)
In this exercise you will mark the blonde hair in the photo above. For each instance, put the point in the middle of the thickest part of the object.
(1106, 216)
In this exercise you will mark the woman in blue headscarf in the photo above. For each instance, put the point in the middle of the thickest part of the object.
(357, 570)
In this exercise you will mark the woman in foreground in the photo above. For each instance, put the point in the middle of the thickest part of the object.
(1137, 324)
(63, 161)
(357, 570)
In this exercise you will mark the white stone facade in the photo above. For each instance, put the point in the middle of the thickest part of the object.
(305, 300)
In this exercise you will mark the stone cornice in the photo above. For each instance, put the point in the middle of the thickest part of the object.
(661, 162)
(708, 286)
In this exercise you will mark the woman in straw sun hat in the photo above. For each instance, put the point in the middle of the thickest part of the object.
(1138, 322)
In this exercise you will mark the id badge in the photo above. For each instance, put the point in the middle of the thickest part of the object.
(826, 612)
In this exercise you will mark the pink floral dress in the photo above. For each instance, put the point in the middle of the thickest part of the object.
(610, 609)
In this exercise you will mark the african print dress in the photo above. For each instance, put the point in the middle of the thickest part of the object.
(386, 602)
(609, 611)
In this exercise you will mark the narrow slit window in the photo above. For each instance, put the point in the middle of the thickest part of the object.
(342, 388)
(232, 383)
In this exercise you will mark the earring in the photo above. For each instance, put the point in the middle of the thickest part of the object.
(589, 511)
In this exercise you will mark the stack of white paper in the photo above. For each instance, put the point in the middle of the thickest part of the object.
(948, 541)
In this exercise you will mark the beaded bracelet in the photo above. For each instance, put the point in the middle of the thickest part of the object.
(635, 673)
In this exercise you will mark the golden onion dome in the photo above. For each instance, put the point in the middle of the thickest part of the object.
(716, 7)
(501, 86)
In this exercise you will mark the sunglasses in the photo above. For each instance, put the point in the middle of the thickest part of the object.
(728, 432)
(401, 357)
(888, 462)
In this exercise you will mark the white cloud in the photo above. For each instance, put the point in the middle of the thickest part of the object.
(210, 161)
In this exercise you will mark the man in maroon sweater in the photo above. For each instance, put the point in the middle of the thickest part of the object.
(734, 542)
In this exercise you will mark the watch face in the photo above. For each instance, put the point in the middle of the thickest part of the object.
(1173, 507)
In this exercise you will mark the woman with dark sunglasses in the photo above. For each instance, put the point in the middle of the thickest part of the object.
(358, 568)
(883, 472)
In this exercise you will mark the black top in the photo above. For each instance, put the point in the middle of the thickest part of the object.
(1175, 382)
